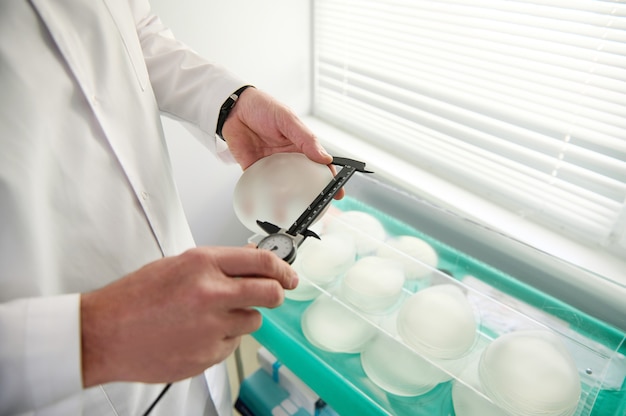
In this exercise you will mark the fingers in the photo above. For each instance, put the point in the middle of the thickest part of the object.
(249, 277)
(260, 278)
(251, 262)
(311, 147)
(295, 131)
(243, 322)
(254, 292)
(306, 141)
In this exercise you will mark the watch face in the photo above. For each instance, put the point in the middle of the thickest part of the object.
(280, 244)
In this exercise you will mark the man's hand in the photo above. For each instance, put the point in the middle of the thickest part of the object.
(259, 126)
(177, 316)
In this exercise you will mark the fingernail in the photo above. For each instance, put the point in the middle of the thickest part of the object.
(294, 281)
(323, 151)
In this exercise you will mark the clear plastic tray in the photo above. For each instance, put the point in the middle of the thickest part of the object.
(502, 304)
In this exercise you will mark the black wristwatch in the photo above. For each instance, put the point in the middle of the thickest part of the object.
(226, 108)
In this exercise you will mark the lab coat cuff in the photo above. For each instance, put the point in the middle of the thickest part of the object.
(205, 131)
(53, 348)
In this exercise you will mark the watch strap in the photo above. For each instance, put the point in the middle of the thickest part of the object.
(226, 108)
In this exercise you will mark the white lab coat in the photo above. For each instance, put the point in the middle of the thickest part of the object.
(86, 188)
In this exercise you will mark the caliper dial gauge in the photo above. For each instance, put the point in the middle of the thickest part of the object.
(285, 243)
(281, 244)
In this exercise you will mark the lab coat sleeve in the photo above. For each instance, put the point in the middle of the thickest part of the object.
(187, 86)
(39, 343)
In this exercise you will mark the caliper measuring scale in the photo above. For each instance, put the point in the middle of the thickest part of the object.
(285, 242)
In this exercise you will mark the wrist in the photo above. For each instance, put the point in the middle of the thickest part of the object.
(93, 354)
(226, 109)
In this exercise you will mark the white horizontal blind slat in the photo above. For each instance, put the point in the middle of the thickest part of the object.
(583, 209)
(524, 102)
(483, 123)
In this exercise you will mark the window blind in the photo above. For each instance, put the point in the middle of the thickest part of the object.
(521, 102)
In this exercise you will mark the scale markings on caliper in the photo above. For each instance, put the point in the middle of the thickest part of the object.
(284, 243)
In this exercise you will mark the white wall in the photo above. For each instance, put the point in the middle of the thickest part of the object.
(267, 43)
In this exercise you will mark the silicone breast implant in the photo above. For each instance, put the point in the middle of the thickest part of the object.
(277, 189)
(329, 325)
(438, 321)
(530, 373)
(367, 231)
(417, 256)
(324, 260)
(320, 263)
(373, 284)
(398, 370)
(466, 398)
